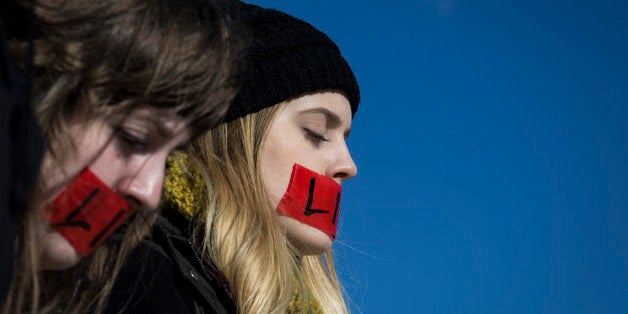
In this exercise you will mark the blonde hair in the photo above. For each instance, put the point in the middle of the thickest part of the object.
(95, 58)
(241, 233)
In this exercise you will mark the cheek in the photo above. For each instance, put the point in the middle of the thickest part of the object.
(52, 178)
(276, 166)
(108, 165)
(88, 149)
(276, 176)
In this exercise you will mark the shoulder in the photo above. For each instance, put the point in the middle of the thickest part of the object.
(147, 283)
(165, 275)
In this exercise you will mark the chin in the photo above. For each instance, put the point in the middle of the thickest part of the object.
(306, 239)
(57, 252)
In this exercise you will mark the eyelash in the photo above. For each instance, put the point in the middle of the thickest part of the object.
(314, 137)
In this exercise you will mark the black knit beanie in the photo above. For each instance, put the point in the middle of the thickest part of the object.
(287, 58)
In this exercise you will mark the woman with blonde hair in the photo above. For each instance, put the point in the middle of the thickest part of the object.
(252, 206)
(117, 85)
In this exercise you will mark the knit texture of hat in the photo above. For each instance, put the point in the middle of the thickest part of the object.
(288, 58)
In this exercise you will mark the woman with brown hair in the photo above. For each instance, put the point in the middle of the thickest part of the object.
(118, 85)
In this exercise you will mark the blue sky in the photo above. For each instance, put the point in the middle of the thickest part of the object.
(492, 146)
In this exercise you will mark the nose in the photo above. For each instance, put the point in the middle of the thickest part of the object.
(343, 167)
(143, 183)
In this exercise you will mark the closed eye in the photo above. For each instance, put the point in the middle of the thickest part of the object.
(129, 138)
(314, 137)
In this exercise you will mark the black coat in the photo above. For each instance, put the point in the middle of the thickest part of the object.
(172, 277)
(21, 141)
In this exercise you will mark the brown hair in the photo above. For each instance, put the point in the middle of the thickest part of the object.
(99, 57)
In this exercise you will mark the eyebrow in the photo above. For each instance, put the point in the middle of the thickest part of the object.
(332, 118)
(162, 130)
(166, 133)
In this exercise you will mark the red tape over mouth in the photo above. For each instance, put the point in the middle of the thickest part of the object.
(86, 212)
(312, 199)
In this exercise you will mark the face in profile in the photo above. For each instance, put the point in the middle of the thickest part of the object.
(126, 152)
(310, 131)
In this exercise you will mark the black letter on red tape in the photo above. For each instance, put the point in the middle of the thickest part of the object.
(310, 197)
(333, 220)
(79, 223)
(97, 238)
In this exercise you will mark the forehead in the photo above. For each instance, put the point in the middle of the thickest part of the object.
(334, 102)
(167, 117)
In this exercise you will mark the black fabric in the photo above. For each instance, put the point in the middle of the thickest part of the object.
(172, 278)
(21, 144)
(287, 58)
(16, 18)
